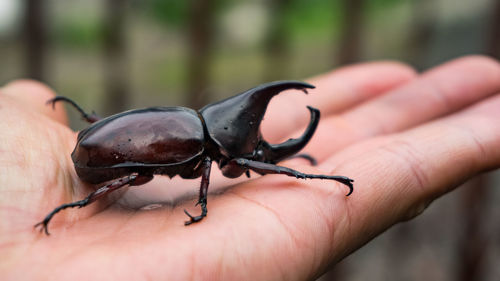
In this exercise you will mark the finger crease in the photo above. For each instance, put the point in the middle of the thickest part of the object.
(480, 146)
(435, 91)
(406, 152)
(483, 154)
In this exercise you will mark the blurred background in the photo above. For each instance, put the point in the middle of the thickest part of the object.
(112, 55)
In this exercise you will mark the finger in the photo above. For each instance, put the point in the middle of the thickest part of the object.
(438, 92)
(335, 92)
(351, 85)
(34, 95)
(400, 175)
(441, 90)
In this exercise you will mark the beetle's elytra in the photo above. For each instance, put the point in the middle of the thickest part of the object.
(131, 147)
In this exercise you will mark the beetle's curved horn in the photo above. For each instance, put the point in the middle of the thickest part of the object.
(234, 123)
(278, 152)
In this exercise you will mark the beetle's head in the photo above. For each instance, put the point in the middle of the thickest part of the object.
(234, 123)
(271, 153)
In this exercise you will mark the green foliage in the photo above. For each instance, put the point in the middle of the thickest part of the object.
(317, 18)
(172, 12)
(377, 4)
(78, 32)
(312, 17)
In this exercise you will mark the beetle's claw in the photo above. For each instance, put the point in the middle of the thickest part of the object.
(44, 227)
(192, 219)
(188, 214)
(349, 184)
(55, 99)
(52, 102)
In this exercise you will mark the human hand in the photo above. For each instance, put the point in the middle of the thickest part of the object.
(404, 138)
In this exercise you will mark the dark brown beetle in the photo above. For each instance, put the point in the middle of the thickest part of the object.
(131, 147)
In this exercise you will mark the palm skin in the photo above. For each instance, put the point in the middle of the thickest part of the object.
(404, 138)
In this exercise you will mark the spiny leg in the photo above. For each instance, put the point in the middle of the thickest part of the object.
(202, 199)
(266, 168)
(91, 118)
(89, 199)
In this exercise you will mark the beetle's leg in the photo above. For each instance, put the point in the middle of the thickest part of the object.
(266, 168)
(306, 156)
(202, 199)
(131, 179)
(91, 118)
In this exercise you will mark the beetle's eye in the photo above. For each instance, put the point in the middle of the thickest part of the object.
(259, 155)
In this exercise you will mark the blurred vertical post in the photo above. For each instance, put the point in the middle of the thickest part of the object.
(351, 31)
(424, 22)
(277, 42)
(493, 48)
(474, 245)
(201, 26)
(116, 67)
(35, 39)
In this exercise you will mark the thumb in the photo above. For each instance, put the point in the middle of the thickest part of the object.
(34, 95)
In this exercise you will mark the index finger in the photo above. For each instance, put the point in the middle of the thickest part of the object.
(335, 92)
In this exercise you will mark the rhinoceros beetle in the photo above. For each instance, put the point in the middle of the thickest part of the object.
(129, 148)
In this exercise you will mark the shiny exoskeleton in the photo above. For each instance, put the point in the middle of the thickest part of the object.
(131, 147)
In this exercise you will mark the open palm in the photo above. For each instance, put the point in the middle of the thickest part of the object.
(404, 138)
